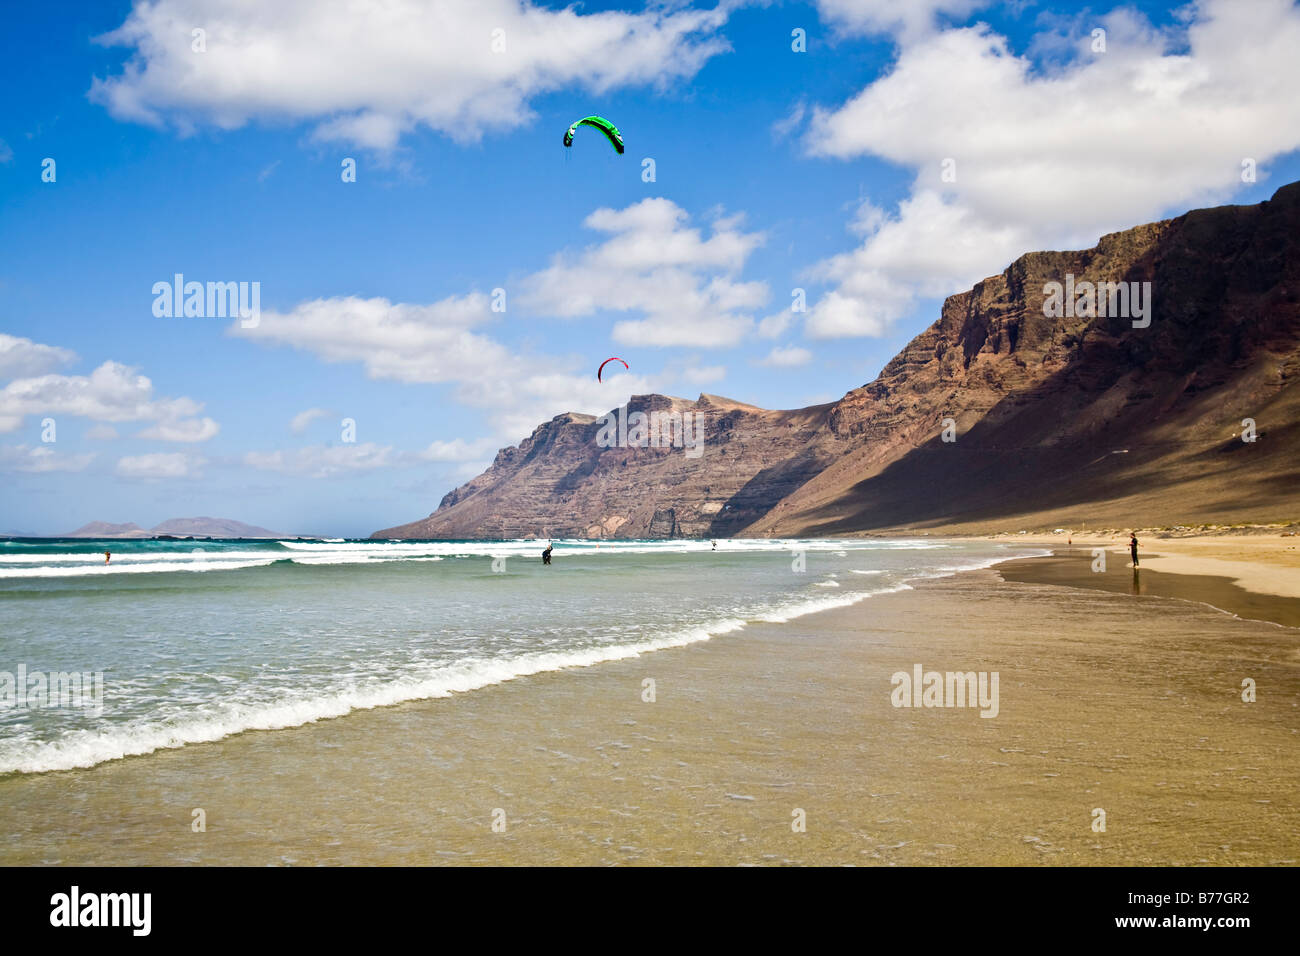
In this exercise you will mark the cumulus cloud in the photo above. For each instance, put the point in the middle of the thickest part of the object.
(181, 430)
(40, 458)
(788, 356)
(907, 19)
(703, 374)
(657, 265)
(1051, 157)
(459, 450)
(368, 73)
(774, 325)
(304, 418)
(933, 247)
(543, 390)
(436, 344)
(111, 393)
(159, 465)
(101, 432)
(790, 122)
(324, 461)
(396, 341)
(654, 264)
(19, 356)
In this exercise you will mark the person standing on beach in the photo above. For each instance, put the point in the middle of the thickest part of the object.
(1133, 548)
(546, 555)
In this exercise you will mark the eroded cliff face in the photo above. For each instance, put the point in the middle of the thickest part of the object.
(1061, 418)
(1086, 418)
(564, 481)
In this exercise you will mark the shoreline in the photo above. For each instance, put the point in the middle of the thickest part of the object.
(1254, 575)
(1262, 562)
(1105, 702)
(1074, 569)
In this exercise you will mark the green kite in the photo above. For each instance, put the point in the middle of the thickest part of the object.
(599, 122)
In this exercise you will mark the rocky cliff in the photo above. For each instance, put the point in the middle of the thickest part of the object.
(1014, 408)
(562, 481)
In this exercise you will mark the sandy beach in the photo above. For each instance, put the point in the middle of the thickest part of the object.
(1265, 562)
(1107, 701)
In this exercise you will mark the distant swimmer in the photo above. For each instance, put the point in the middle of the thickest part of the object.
(1133, 547)
(546, 555)
(715, 546)
(107, 555)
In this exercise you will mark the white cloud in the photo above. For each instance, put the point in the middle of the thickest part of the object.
(434, 344)
(932, 248)
(101, 433)
(775, 325)
(40, 458)
(468, 470)
(160, 465)
(459, 450)
(324, 461)
(405, 343)
(655, 264)
(181, 430)
(787, 357)
(703, 374)
(368, 73)
(111, 393)
(543, 390)
(304, 418)
(907, 18)
(6, 152)
(1051, 158)
(19, 356)
(790, 122)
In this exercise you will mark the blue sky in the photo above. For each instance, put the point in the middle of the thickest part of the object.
(774, 170)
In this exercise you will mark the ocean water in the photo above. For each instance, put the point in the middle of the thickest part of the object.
(199, 640)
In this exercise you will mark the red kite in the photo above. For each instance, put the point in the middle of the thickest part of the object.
(606, 362)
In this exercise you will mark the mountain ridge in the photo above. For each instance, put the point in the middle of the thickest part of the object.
(1054, 419)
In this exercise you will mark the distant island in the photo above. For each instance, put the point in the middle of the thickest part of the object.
(176, 527)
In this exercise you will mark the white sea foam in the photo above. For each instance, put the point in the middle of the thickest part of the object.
(72, 564)
(567, 546)
(814, 605)
(86, 748)
(128, 557)
(315, 676)
(145, 568)
(978, 565)
(361, 559)
(214, 720)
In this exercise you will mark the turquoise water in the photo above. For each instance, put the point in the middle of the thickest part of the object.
(198, 640)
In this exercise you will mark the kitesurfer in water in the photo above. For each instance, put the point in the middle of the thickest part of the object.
(546, 555)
